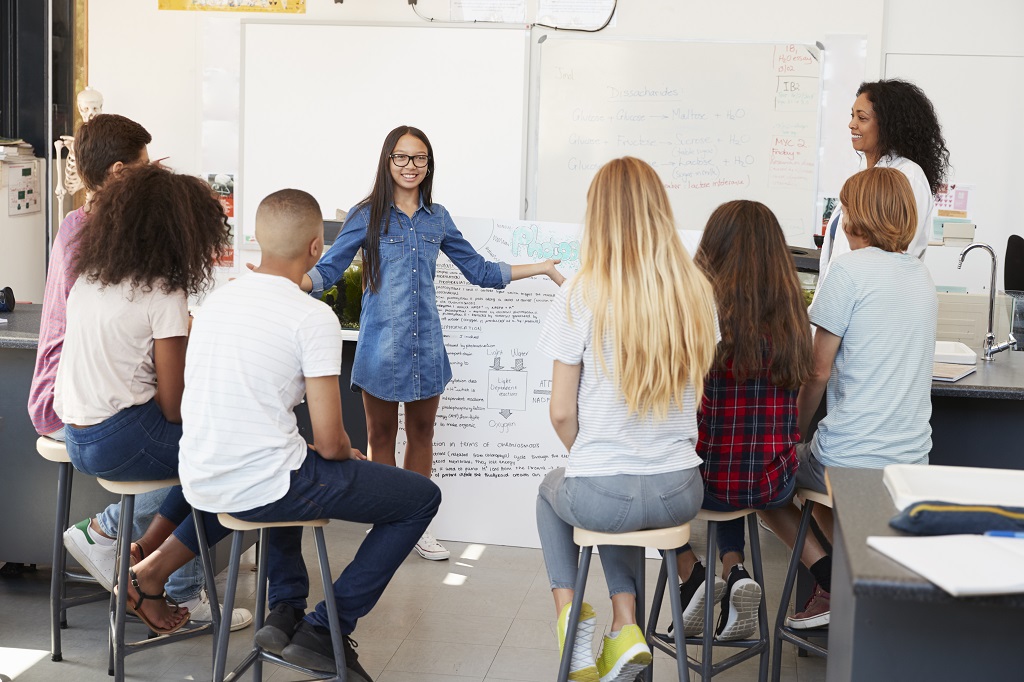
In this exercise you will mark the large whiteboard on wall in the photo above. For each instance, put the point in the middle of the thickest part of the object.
(718, 121)
(319, 99)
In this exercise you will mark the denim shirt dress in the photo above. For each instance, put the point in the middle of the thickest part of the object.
(401, 356)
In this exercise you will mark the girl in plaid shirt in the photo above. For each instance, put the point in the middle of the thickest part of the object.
(748, 420)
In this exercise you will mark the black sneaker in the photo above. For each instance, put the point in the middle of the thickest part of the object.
(738, 618)
(311, 648)
(691, 595)
(278, 628)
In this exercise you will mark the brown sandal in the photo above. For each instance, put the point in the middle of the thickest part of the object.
(137, 606)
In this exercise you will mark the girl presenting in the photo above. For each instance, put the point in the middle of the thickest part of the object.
(401, 356)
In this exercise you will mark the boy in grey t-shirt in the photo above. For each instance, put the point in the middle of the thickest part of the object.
(875, 317)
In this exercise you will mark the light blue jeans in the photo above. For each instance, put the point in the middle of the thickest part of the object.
(610, 504)
(186, 582)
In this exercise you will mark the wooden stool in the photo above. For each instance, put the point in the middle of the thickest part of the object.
(668, 540)
(119, 649)
(782, 631)
(750, 647)
(257, 655)
(55, 451)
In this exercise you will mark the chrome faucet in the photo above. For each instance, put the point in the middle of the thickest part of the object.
(990, 347)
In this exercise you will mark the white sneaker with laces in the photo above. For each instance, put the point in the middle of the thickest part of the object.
(200, 610)
(429, 548)
(94, 554)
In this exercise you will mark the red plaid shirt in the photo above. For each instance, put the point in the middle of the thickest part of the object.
(748, 437)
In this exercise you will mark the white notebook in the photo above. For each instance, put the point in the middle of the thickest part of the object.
(962, 565)
(910, 483)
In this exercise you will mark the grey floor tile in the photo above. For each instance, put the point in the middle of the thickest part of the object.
(466, 660)
(468, 628)
(529, 665)
(395, 676)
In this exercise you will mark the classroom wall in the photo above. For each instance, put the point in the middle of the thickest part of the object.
(147, 63)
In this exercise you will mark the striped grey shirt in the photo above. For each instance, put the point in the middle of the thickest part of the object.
(611, 441)
(884, 307)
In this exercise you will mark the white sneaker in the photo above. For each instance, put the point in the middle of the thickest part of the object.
(199, 608)
(429, 548)
(98, 559)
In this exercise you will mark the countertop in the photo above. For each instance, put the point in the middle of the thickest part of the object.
(1002, 378)
(22, 328)
(863, 508)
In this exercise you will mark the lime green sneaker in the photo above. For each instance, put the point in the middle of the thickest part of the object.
(624, 657)
(582, 668)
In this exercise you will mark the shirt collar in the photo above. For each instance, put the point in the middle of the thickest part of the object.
(422, 206)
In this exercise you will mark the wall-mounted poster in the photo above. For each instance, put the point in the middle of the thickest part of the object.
(274, 6)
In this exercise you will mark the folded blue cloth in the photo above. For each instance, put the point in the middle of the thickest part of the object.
(935, 517)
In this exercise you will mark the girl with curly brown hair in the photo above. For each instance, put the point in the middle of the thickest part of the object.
(150, 243)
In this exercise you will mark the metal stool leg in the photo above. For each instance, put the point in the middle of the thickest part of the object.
(787, 589)
(331, 604)
(58, 617)
(706, 658)
(672, 571)
(209, 575)
(574, 614)
(220, 649)
(262, 575)
(117, 618)
(652, 622)
(763, 640)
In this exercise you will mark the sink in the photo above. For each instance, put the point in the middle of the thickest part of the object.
(955, 352)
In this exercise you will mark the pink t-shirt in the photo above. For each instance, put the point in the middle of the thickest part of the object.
(59, 280)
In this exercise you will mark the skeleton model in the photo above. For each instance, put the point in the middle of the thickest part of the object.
(90, 103)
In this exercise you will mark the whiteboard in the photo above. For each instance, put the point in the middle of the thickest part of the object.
(319, 99)
(718, 121)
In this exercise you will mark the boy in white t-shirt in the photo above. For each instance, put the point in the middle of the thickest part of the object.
(258, 345)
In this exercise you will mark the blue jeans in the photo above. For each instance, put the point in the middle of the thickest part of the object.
(138, 444)
(400, 504)
(731, 537)
(610, 504)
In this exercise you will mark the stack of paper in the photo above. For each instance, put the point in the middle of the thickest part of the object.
(962, 565)
(14, 149)
(948, 371)
(910, 483)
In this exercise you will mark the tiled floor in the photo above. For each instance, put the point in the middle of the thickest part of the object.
(484, 615)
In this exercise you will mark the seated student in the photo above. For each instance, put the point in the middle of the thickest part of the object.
(873, 349)
(632, 336)
(257, 346)
(150, 241)
(104, 146)
(748, 417)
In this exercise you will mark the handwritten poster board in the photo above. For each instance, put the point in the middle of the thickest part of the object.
(493, 439)
(718, 121)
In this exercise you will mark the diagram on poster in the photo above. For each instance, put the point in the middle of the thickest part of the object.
(493, 440)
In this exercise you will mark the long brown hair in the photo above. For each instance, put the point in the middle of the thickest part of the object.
(744, 254)
(649, 302)
(152, 227)
(379, 201)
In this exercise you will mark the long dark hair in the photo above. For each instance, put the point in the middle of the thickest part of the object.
(150, 226)
(909, 127)
(760, 306)
(378, 202)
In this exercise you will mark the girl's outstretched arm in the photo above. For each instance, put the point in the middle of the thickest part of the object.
(544, 268)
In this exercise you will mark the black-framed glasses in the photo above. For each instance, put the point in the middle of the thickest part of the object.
(402, 160)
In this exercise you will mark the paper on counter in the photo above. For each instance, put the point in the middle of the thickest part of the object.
(910, 483)
(961, 565)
